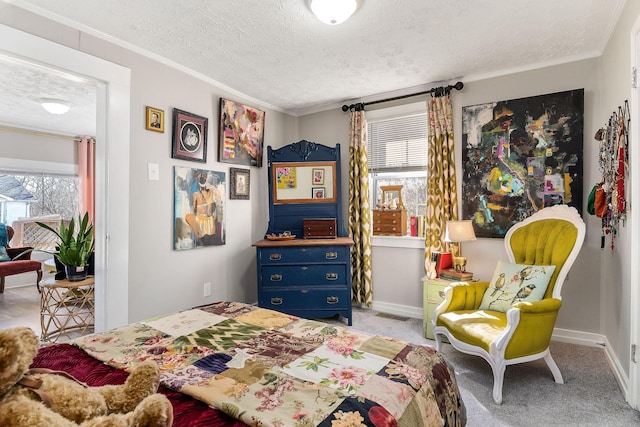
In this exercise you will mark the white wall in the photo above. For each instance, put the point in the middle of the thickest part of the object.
(616, 280)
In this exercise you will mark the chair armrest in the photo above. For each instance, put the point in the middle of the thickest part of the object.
(462, 296)
(529, 327)
(547, 305)
(23, 253)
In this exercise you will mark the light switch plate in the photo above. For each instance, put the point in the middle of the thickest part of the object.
(154, 171)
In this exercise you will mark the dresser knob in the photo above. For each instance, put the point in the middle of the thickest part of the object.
(275, 257)
(276, 301)
(331, 255)
(332, 276)
(332, 300)
(275, 277)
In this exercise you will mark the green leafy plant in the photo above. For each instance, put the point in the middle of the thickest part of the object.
(75, 246)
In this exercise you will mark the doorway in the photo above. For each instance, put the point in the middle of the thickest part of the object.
(112, 184)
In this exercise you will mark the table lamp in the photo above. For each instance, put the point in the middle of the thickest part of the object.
(457, 232)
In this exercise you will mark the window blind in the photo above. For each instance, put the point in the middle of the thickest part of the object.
(397, 144)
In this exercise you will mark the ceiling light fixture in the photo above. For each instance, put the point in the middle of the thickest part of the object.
(55, 106)
(333, 12)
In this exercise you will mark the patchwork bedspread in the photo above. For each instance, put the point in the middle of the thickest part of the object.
(266, 368)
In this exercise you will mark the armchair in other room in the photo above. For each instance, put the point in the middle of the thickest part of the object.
(518, 328)
(19, 262)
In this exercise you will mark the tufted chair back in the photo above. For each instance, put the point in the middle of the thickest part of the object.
(545, 241)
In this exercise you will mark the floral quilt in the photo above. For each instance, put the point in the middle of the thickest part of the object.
(267, 368)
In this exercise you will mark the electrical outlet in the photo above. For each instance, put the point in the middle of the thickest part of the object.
(207, 289)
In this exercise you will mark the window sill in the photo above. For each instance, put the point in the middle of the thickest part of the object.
(407, 242)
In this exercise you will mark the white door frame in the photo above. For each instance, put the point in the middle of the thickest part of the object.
(633, 397)
(112, 163)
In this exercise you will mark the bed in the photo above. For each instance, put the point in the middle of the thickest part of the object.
(234, 364)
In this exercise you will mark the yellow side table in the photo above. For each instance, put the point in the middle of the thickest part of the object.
(433, 294)
(66, 307)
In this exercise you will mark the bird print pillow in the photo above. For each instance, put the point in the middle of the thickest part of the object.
(513, 283)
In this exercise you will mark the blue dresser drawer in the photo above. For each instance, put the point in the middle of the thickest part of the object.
(288, 300)
(297, 275)
(308, 254)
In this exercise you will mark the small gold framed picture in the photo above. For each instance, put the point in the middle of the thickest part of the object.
(154, 119)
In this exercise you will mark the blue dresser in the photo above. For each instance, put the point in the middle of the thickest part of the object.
(309, 278)
(306, 277)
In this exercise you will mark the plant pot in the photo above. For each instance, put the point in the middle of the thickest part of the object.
(76, 273)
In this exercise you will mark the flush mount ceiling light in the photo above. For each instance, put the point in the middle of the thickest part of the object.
(333, 12)
(55, 106)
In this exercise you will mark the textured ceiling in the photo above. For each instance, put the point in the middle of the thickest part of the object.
(280, 56)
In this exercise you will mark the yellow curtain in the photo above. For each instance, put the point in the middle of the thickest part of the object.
(442, 200)
(359, 211)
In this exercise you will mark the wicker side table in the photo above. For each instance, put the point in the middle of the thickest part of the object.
(66, 307)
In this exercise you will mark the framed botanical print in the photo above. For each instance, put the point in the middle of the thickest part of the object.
(189, 141)
(239, 185)
(241, 134)
(154, 119)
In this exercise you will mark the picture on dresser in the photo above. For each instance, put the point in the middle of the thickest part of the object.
(318, 176)
(241, 134)
(199, 196)
(317, 193)
(286, 177)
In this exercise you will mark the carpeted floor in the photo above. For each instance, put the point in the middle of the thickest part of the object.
(590, 395)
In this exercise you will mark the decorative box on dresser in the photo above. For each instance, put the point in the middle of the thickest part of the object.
(308, 278)
(304, 261)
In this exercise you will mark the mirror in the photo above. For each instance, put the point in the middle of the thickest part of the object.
(392, 196)
(304, 182)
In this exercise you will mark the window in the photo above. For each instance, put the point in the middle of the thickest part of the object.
(397, 155)
(28, 197)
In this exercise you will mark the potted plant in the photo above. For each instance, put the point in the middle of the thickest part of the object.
(75, 246)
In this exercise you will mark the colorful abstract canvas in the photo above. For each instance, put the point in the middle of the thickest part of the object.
(241, 134)
(519, 156)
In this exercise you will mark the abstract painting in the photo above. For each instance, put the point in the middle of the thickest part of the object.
(199, 208)
(241, 134)
(519, 156)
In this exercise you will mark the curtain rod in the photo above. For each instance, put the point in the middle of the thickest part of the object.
(439, 91)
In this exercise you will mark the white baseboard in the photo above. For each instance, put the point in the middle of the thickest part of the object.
(398, 310)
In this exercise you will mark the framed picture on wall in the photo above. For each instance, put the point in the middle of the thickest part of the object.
(519, 156)
(154, 119)
(199, 208)
(239, 185)
(241, 134)
(189, 141)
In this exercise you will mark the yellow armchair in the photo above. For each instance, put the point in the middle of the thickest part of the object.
(551, 236)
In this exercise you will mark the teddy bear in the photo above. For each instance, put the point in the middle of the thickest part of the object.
(48, 398)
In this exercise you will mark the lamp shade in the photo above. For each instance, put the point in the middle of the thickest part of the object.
(55, 106)
(459, 231)
(333, 12)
